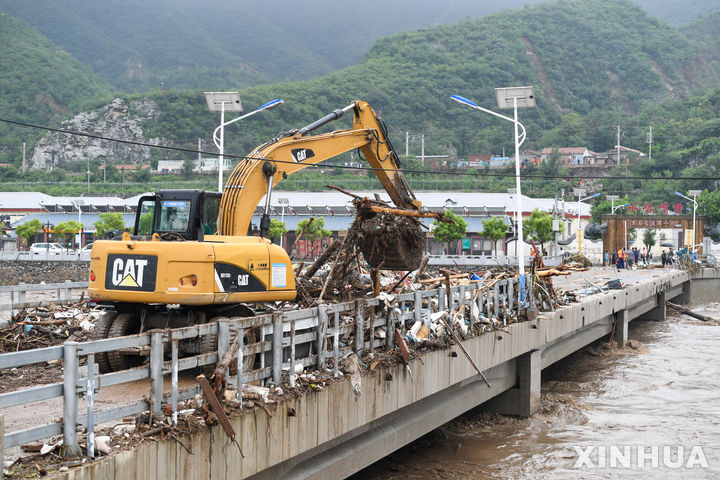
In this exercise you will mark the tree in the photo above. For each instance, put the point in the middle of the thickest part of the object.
(315, 230)
(142, 174)
(709, 204)
(109, 222)
(649, 238)
(277, 228)
(539, 227)
(67, 230)
(446, 231)
(187, 168)
(494, 229)
(28, 229)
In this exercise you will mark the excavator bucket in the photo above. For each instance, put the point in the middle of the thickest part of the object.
(390, 242)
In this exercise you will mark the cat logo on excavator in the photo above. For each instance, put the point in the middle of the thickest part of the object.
(131, 272)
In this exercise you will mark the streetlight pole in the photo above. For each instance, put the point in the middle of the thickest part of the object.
(229, 102)
(694, 194)
(513, 97)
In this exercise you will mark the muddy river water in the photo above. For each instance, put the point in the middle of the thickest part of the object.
(649, 410)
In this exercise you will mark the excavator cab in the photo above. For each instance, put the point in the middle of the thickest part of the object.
(189, 214)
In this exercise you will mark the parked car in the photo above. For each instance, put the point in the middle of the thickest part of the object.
(46, 248)
(87, 248)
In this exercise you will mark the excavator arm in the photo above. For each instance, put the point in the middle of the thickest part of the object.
(257, 174)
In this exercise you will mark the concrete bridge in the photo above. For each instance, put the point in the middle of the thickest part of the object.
(334, 433)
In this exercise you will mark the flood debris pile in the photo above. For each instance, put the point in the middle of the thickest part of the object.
(38, 327)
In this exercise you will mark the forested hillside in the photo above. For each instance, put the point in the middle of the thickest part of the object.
(137, 45)
(598, 59)
(39, 82)
(595, 65)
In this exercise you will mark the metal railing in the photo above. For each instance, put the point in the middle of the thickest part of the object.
(274, 342)
(18, 294)
(65, 256)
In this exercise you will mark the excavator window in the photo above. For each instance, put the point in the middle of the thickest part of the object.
(174, 216)
(145, 215)
(210, 210)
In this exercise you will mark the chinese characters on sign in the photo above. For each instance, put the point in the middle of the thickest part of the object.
(648, 208)
(651, 223)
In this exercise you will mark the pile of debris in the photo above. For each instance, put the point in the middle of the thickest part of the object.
(39, 327)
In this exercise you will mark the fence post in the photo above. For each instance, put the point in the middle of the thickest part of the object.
(156, 376)
(390, 328)
(21, 296)
(70, 379)
(511, 294)
(292, 353)
(418, 306)
(68, 291)
(241, 339)
(2, 444)
(223, 343)
(91, 405)
(336, 343)
(277, 348)
(174, 379)
(320, 342)
(496, 301)
(359, 326)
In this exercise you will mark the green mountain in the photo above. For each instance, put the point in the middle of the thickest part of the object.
(137, 45)
(600, 59)
(39, 83)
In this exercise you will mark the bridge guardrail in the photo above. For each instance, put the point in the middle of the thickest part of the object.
(276, 341)
(18, 293)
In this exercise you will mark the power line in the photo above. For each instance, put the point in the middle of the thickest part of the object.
(483, 173)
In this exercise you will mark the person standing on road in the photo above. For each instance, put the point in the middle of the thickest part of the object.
(607, 259)
(636, 252)
(663, 258)
(643, 256)
(614, 259)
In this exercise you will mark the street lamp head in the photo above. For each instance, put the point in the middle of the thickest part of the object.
(270, 104)
(679, 194)
(464, 100)
(594, 195)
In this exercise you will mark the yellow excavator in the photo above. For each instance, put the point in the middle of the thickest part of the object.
(190, 258)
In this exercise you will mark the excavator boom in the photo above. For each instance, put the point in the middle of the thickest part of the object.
(257, 174)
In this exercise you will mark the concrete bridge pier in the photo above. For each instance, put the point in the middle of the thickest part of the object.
(622, 319)
(524, 398)
(658, 313)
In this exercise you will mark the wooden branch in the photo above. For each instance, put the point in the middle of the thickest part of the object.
(312, 269)
(409, 213)
(301, 233)
(689, 313)
(442, 279)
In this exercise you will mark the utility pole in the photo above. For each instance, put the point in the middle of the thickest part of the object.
(104, 170)
(650, 140)
(422, 149)
(407, 143)
(618, 144)
(23, 162)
